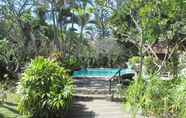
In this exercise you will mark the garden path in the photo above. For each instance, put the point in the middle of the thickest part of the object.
(98, 108)
(92, 101)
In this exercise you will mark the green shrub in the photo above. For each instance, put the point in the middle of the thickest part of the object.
(178, 96)
(135, 60)
(154, 97)
(134, 95)
(8, 61)
(45, 89)
(150, 67)
(71, 64)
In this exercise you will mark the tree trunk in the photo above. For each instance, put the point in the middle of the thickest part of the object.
(141, 54)
(56, 41)
(81, 41)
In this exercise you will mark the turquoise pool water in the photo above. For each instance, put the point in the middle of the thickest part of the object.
(101, 72)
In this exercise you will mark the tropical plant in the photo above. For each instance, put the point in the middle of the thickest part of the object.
(8, 61)
(134, 95)
(102, 15)
(156, 97)
(45, 89)
(134, 60)
(150, 67)
(178, 96)
(71, 64)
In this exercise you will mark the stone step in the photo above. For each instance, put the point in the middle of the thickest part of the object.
(93, 86)
(91, 83)
(89, 96)
(87, 91)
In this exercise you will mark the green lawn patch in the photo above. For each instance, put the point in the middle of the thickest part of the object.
(8, 109)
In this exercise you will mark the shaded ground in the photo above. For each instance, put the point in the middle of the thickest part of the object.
(98, 108)
(8, 109)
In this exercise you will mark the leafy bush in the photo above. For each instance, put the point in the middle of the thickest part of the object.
(134, 95)
(149, 65)
(8, 62)
(135, 63)
(71, 63)
(178, 96)
(45, 89)
(155, 97)
(135, 60)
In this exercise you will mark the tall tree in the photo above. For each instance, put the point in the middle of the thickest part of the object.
(144, 22)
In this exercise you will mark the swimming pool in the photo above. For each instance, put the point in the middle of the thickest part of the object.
(101, 72)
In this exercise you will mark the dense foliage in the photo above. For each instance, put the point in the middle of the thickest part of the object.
(157, 97)
(72, 64)
(149, 66)
(38, 28)
(8, 62)
(45, 89)
(152, 23)
(149, 34)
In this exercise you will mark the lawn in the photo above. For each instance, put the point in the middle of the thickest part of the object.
(8, 109)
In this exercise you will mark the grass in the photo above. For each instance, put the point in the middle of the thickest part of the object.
(8, 109)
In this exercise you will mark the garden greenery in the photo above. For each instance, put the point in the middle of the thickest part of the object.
(134, 60)
(71, 63)
(8, 61)
(149, 65)
(159, 98)
(45, 89)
